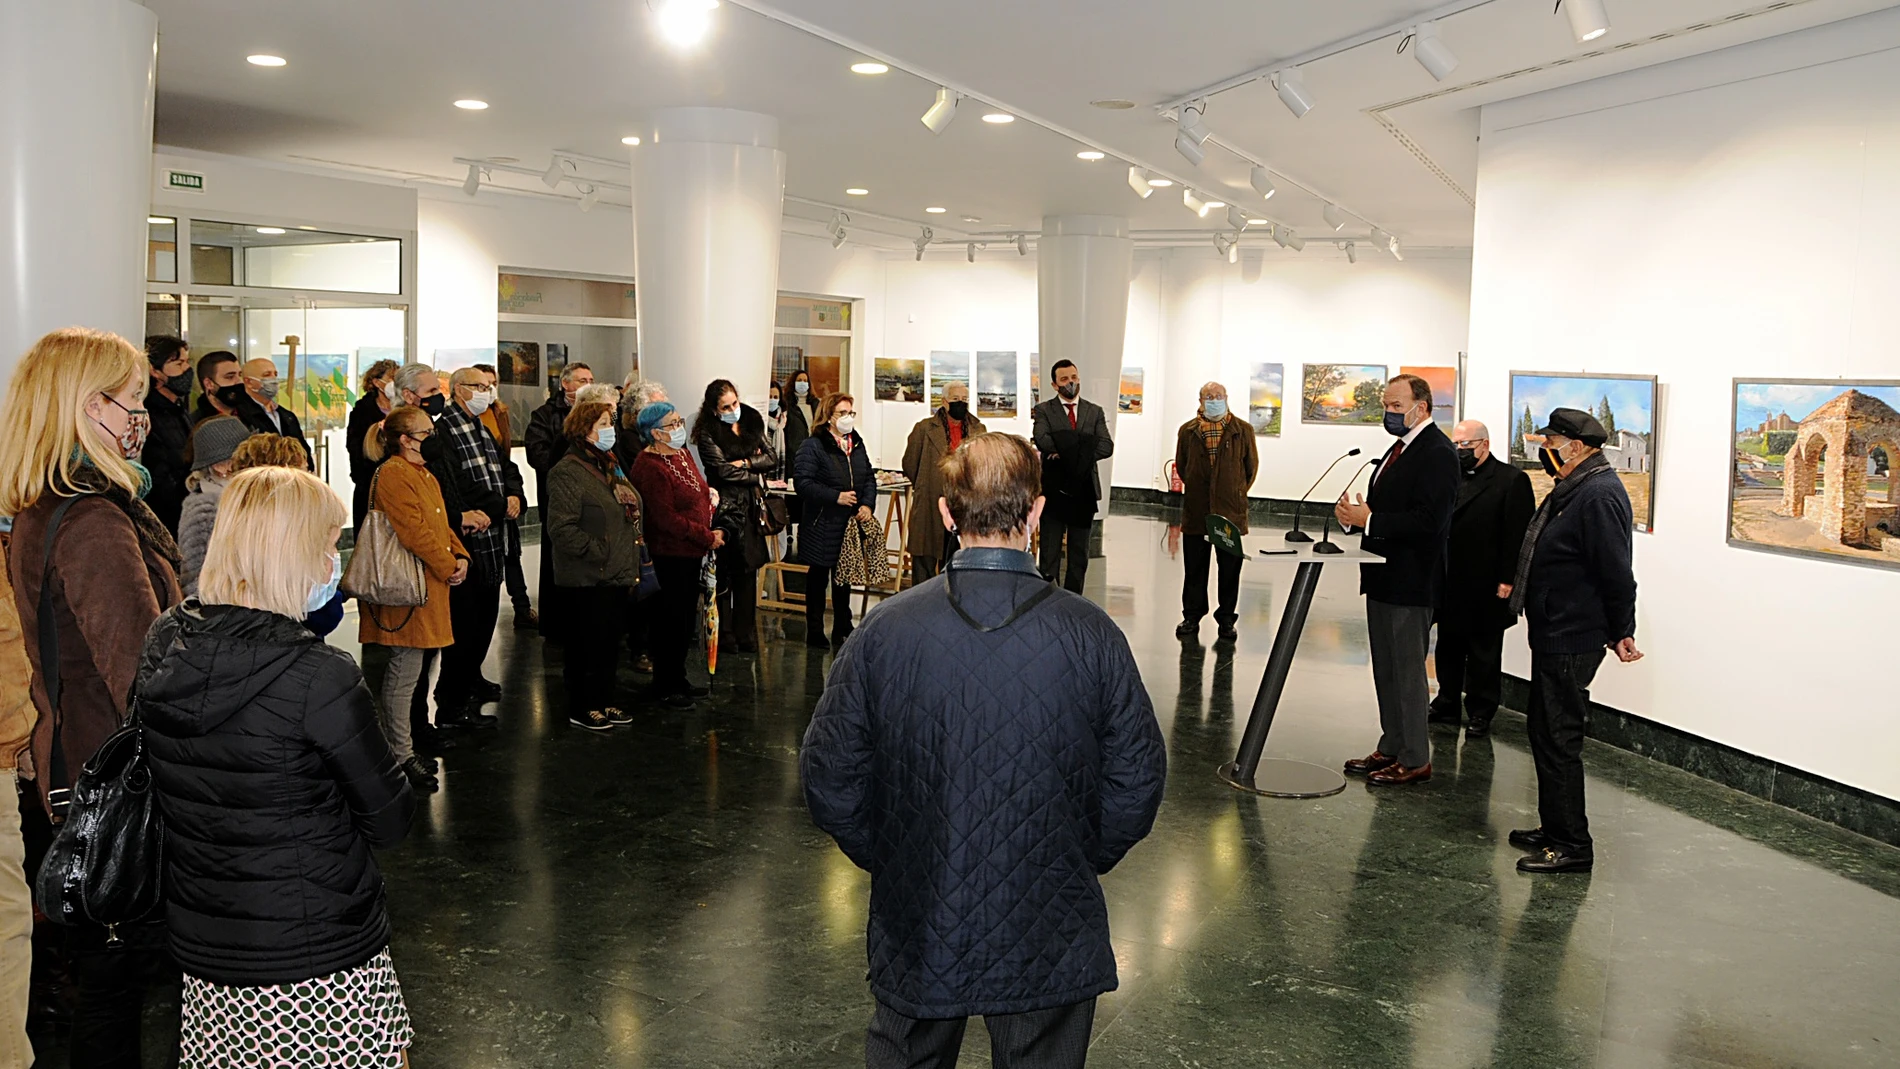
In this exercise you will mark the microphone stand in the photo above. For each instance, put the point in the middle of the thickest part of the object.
(1326, 544)
(1299, 507)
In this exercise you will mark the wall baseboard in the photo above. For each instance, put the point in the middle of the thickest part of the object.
(1141, 501)
(1858, 811)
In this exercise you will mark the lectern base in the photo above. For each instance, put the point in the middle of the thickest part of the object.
(1278, 778)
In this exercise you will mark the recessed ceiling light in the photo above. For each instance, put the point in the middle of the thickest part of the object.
(854, 191)
(1112, 105)
(306, 228)
(869, 68)
(1212, 204)
(1091, 155)
(998, 118)
(270, 229)
(158, 220)
(936, 211)
(262, 60)
(630, 141)
(1259, 222)
(1160, 183)
(472, 105)
(972, 219)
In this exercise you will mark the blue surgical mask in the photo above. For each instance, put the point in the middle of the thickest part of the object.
(676, 437)
(772, 406)
(801, 388)
(729, 417)
(1395, 424)
(1215, 409)
(321, 593)
(604, 438)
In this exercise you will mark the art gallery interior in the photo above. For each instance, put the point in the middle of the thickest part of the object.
(1679, 214)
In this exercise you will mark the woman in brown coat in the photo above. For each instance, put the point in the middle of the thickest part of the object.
(404, 491)
(74, 421)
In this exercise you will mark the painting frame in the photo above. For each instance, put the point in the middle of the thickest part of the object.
(1001, 369)
(1371, 417)
(1736, 474)
(943, 366)
(1643, 513)
(1266, 379)
(1131, 391)
(892, 377)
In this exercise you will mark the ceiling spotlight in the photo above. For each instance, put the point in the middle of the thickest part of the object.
(924, 236)
(270, 230)
(1022, 244)
(1189, 119)
(1287, 238)
(262, 60)
(1394, 250)
(1138, 181)
(970, 252)
(939, 116)
(998, 118)
(1187, 147)
(1334, 217)
(1432, 54)
(630, 141)
(1589, 19)
(1352, 252)
(1235, 219)
(473, 184)
(869, 68)
(1193, 203)
(684, 23)
(857, 191)
(1380, 239)
(558, 171)
(472, 105)
(1228, 246)
(1262, 183)
(1291, 86)
(590, 196)
(837, 237)
(1091, 155)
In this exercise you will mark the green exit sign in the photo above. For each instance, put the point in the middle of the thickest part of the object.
(185, 181)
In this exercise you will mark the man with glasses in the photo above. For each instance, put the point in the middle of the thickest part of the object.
(1494, 506)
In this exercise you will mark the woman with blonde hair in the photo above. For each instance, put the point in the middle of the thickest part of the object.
(73, 418)
(275, 783)
(406, 492)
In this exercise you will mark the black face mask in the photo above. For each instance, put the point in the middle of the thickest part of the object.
(1069, 390)
(1468, 460)
(959, 410)
(229, 396)
(179, 384)
(1553, 464)
(434, 404)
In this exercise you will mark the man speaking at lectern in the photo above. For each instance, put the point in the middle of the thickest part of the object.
(1406, 517)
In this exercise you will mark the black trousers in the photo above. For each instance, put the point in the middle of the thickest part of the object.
(817, 586)
(1196, 549)
(634, 625)
(114, 982)
(670, 620)
(517, 580)
(473, 609)
(1041, 1039)
(738, 594)
(1055, 534)
(1469, 662)
(1560, 703)
(592, 653)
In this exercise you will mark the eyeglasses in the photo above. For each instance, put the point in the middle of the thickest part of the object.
(673, 424)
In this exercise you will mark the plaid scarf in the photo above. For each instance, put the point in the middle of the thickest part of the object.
(1549, 510)
(1211, 433)
(472, 449)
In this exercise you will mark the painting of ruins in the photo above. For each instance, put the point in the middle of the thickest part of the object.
(1813, 471)
(1624, 404)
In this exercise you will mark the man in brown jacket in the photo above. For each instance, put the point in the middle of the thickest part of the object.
(16, 900)
(934, 437)
(1216, 457)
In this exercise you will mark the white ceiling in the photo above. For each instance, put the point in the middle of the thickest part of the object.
(370, 83)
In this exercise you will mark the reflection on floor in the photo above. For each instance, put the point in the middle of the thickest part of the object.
(657, 896)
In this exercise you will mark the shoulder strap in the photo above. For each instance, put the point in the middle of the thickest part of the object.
(49, 644)
(949, 591)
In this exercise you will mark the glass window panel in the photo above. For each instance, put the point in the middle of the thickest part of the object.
(814, 313)
(161, 249)
(826, 359)
(163, 314)
(274, 257)
(551, 295)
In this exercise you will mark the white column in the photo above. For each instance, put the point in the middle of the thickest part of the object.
(708, 202)
(1083, 264)
(75, 167)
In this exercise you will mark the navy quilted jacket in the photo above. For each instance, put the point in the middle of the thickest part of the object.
(985, 780)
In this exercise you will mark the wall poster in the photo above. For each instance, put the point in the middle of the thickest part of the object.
(1814, 469)
(1266, 396)
(1624, 404)
(518, 363)
(996, 385)
(945, 368)
(1131, 391)
(898, 379)
(1343, 393)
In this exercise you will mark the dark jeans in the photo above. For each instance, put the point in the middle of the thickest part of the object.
(1471, 663)
(1054, 533)
(634, 621)
(671, 622)
(592, 653)
(114, 982)
(473, 608)
(1196, 548)
(817, 585)
(517, 581)
(1041, 1039)
(1560, 703)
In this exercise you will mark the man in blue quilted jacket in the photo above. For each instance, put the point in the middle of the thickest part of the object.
(985, 749)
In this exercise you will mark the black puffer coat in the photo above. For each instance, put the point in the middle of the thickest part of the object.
(985, 779)
(821, 472)
(274, 782)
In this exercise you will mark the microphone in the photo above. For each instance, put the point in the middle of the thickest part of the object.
(1296, 535)
(1326, 543)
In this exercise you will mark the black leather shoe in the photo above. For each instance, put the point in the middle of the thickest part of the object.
(1187, 629)
(1554, 859)
(1228, 633)
(1436, 717)
(469, 715)
(526, 619)
(432, 742)
(1529, 839)
(485, 690)
(1478, 728)
(419, 778)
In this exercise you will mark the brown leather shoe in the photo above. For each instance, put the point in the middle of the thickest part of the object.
(1370, 763)
(1397, 775)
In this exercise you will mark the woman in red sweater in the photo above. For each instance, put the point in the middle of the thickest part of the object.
(679, 534)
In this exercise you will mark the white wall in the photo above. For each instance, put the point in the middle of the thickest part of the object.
(254, 191)
(1730, 215)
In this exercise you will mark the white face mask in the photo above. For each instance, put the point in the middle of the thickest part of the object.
(844, 423)
(479, 400)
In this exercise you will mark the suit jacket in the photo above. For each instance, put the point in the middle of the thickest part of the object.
(1072, 481)
(1494, 507)
(1412, 500)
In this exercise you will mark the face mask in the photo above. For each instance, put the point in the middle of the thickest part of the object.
(1395, 424)
(604, 438)
(729, 417)
(228, 395)
(1468, 460)
(389, 391)
(1215, 410)
(321, 593)
(676, 437)
(801, 388)
(843, 424)
(772, 406)
(479, 400)
(1069, 390)
(433, 404)
(138, 425)
(180, 384)
(268, 388)
(959, 410)
(1553, 462)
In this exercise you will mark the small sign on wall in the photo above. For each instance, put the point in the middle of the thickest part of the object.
(185, 181)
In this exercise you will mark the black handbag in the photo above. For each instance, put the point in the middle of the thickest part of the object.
(649, 583)
(775, 513)
(104, 863)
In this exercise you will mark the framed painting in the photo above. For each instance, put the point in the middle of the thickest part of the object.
(1624, 404)
(1814, 469)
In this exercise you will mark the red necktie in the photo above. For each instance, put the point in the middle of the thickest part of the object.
(1071, 409)
(1390, 457)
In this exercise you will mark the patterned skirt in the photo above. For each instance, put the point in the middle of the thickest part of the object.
(354, 1019)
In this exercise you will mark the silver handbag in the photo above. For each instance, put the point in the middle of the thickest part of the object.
(382, 571)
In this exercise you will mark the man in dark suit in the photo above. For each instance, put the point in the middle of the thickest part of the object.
(1406, 518)
(1495, 503)
(1072, 436)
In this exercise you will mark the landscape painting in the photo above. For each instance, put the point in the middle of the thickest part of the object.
(1266, 392)
(996, 385)
(1343, 393)
(1131, 391)
(899, 379)
(327, 393)
(1624, 404)
(518, 363)
(945, 368)
(1444, 384)
(1813, 471)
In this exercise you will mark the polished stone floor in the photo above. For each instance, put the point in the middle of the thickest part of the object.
(657, 896)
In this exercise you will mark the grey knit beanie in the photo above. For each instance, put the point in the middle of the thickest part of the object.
(214, 440)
